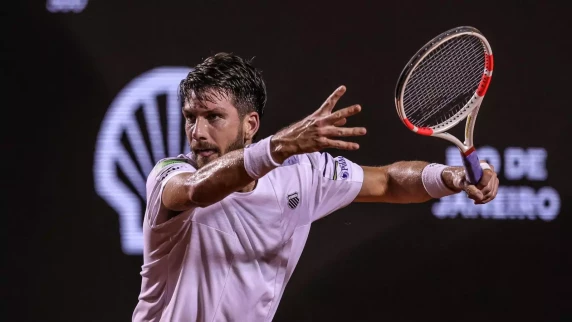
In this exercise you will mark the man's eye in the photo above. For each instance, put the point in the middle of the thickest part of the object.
(213, 117)
(191, 119)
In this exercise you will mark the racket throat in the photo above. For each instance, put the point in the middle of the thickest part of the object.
(470, 124)
(449, 137)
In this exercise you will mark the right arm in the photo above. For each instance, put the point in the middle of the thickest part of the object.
(227, 174)
(208, 185)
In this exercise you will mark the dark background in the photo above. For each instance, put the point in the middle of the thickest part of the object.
(368, 262)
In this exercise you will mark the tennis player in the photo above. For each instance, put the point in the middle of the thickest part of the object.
(226, 224)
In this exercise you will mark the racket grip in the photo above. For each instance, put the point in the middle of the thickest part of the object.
(473, 168)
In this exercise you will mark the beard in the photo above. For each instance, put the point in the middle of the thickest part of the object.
(238, 143)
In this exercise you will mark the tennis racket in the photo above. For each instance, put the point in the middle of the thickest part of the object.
(443, 84)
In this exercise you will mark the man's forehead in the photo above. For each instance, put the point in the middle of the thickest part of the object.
(207, 102)
(195, 104)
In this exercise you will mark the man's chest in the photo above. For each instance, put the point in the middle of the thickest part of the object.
(260, 221)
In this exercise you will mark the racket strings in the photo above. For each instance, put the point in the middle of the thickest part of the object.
(454, 64)
(432, 94)
(444, 81)
(454, 68)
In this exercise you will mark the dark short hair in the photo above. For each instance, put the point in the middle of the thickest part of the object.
(226, 75)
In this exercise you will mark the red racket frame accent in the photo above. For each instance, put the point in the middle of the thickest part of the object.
(427, 131)
(469, 151)
(486, 80)
(484, 85)
(489, 62)
(408, 124)
(419, 130)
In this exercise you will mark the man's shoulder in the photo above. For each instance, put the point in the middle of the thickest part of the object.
(166, 166)
(181, 158)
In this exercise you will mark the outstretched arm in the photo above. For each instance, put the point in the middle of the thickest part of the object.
(402, 182)
(208, 185)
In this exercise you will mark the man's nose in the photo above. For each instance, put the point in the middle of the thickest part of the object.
(200, 129)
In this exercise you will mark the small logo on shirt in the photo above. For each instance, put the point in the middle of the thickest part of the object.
(291, 160)
(293, 200)
(344, 170)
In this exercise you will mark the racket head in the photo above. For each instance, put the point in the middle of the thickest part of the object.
(444, 81)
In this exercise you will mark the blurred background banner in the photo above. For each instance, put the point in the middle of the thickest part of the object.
(91, 104)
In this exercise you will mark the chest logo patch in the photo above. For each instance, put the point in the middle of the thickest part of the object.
(293, 200)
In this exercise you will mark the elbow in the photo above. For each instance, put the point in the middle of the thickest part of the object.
(197, 196)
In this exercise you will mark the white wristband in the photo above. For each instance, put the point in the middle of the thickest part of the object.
(258, 159)
(433, 182)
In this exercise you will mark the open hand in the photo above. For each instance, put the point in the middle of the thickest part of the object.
(318, 131)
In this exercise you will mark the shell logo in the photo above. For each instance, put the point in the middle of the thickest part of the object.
(143, 124)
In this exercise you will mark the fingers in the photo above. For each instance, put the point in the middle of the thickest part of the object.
(333, 131)
(474, 193)
(337, 144)
(329, 104)
(492, 189)
(341, 114)
(341, 122)
(487, 175)
(485, 191)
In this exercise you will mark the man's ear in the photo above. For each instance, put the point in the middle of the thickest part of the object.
(250, 125)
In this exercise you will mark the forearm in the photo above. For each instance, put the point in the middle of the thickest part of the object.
(413, 181)
(217, 179)
(404, 182)
(229, 173)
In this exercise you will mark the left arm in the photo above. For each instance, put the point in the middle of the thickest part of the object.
(401, 182)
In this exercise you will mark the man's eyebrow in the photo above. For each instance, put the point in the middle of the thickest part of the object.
(216, 109)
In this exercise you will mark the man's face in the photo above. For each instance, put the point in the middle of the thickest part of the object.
(213, 128)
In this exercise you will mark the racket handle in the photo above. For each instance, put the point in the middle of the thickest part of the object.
(472, 167)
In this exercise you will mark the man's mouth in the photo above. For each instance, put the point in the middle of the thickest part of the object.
(206, 152)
